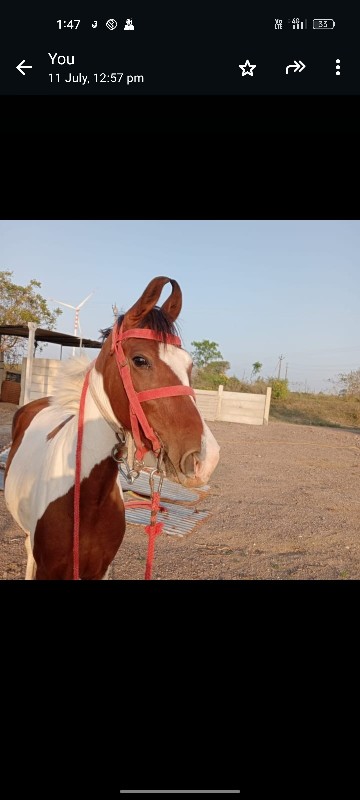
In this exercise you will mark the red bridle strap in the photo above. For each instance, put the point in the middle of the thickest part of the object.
(143, 333)
(137, 415)
(165, 391)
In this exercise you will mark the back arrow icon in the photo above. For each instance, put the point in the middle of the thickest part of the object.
(296, 67)
(22, 66)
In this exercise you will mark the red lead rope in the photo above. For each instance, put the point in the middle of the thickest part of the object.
(153, 531)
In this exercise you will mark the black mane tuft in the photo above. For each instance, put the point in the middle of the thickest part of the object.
(157, 320)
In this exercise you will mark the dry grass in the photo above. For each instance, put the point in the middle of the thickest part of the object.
(317, 409)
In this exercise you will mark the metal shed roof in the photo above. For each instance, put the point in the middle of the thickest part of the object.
(54, 337)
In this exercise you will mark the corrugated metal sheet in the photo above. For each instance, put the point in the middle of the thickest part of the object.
(170, 491)
(178, 520)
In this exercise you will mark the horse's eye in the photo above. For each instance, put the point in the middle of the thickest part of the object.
(142, 362)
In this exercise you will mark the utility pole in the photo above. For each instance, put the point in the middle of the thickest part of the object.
(281, 358)
(286, 369)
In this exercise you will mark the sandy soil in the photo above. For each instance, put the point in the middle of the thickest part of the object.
(284, 505)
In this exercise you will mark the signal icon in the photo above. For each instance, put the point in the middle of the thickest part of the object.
(298, 24)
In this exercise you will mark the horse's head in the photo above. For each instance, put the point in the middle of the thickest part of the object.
(147, 364)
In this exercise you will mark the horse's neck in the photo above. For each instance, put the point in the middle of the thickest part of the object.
(99, 438)
(101, 400)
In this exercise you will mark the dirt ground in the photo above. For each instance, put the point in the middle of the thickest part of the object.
(284, 505)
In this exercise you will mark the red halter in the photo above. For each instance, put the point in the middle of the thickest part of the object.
(137, 416)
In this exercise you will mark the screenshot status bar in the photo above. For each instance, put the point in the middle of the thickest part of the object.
(180, 54)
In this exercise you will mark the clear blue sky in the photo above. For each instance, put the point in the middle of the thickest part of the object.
(259, 288)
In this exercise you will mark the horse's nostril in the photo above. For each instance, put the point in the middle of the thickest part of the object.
(187, 464)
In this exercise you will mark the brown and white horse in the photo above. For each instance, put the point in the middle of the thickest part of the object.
(140, 382)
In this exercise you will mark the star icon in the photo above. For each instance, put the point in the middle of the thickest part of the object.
(248, 71)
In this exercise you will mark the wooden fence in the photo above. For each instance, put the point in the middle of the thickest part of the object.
(43, 373)
(249, 409)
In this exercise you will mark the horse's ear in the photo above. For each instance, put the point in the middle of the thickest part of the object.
(172, 305)
(148, 300)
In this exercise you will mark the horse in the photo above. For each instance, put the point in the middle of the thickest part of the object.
(62, 467)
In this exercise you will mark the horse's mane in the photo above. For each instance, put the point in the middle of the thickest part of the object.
(69, 382)
(157, 320)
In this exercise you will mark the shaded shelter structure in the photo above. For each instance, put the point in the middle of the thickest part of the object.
(36, 335)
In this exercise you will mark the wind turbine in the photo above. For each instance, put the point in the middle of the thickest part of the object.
(76, 309)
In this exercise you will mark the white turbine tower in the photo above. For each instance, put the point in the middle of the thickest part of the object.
(76, 309)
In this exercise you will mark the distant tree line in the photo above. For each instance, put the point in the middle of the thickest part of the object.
(210, 372)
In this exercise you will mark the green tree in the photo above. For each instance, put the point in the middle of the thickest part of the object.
(18, 306)
(205, 352)
(256, 367)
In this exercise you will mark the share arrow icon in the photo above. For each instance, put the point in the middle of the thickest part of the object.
(296, 67)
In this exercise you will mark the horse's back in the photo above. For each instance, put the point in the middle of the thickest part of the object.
(24, 416)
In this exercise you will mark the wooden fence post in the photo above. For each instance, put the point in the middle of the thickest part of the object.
(267, 405)
(219, 400)
(29, 361)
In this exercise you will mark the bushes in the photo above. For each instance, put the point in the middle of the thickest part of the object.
(279, 388)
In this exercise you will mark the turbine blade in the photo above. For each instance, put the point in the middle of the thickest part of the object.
(62, 304)
(84, 301)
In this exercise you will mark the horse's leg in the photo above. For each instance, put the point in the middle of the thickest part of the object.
(31, 563)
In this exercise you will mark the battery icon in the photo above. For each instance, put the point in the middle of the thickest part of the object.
(323, 24)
